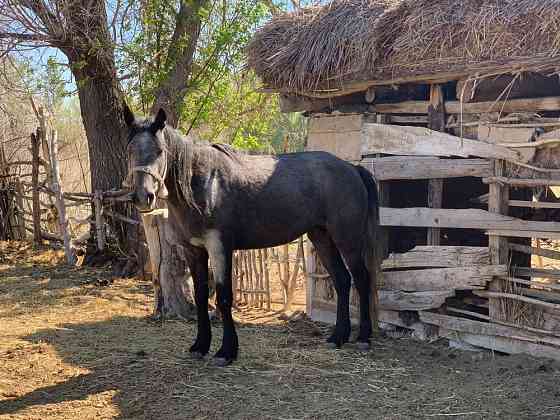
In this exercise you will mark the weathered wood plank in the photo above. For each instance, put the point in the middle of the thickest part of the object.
(455, 107)
(396, 300)
(521, 182)
(536, 272)
(417, 301)
(419, 141)
(533, 204)
(547, 253)
(460, 218)
(436, 122)
(503, 344)
(523, 234)
(521, 298)
(533, 284)
(421, 167)
(438, 257)
(459, 278)
(485, 328)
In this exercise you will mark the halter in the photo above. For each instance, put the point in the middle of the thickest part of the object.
(161, 191)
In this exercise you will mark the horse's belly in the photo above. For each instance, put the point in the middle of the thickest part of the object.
(266, 237)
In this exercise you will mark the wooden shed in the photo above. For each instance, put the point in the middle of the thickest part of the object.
(454, 106)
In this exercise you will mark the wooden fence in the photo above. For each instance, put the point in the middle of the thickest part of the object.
(33, 201)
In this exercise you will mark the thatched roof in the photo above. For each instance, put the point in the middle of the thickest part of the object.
(352, 40)
(305, 49)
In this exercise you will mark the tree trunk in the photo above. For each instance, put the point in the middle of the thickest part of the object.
(172, 290)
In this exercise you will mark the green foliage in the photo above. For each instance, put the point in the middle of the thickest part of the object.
(221, 103)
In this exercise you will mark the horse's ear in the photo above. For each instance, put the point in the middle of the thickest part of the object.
(159, 121)
(128, 115)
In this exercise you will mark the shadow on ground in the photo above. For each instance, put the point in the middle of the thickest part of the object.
(285, 372)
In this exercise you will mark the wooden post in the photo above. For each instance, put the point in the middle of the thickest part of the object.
(45, 146)
(20, 215)
(310, 270)
(499, 250)
(35, 183)
(99, 222)
(59, 198)
(267, 280)
(436, 121)
(286, 277)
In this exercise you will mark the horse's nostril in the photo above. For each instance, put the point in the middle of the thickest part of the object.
(151, 197)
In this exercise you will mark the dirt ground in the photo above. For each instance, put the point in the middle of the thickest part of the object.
(73, 346)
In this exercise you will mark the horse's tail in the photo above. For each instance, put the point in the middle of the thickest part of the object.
(371, 252)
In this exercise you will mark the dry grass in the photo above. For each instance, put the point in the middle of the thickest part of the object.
(316, 46)
(72, 349)
(346, 40)
(429, 36)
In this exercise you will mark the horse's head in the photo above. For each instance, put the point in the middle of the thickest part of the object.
(147, 159)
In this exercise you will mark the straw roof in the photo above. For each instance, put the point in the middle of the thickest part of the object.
(352, 40)
(308, 48)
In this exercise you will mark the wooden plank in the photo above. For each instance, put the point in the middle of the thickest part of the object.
(459, 278)
(417, 301)
(536, 272)
(436, 122)
(421, 167)
(460, 218)
(503, 344)
(438, 257)
(547, 253)
(522, 182)
(512, 135)
(520, 298)
(420, 141)
(336, 123)
(533, 204)
(435, 201)
(455, 107)
(339, 135)
(396, 300)
(485, 328)
(523, 234)
(498, 197)
(534, 284)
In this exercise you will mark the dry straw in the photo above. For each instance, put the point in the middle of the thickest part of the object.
(313, 47)
(321, 47)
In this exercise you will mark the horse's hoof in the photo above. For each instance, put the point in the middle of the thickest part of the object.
(363, 346)
(331, 345)
(196, 355)
(222, 361)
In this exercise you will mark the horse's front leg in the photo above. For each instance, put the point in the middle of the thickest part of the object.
(221, 261)
(198, 264)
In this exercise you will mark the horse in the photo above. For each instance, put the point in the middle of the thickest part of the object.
(220, 200)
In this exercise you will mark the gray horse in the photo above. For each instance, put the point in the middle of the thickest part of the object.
(220, 201)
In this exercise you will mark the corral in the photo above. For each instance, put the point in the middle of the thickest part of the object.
(70, 348)
(454, 107)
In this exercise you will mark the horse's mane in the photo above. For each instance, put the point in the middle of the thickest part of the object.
(180, 150)
(185, 151)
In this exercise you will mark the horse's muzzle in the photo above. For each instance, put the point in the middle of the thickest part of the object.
(144, 201)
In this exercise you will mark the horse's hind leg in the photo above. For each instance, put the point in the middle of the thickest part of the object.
(353, 256)
(331, 259)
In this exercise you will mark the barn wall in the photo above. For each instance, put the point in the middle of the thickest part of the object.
(416, 277)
